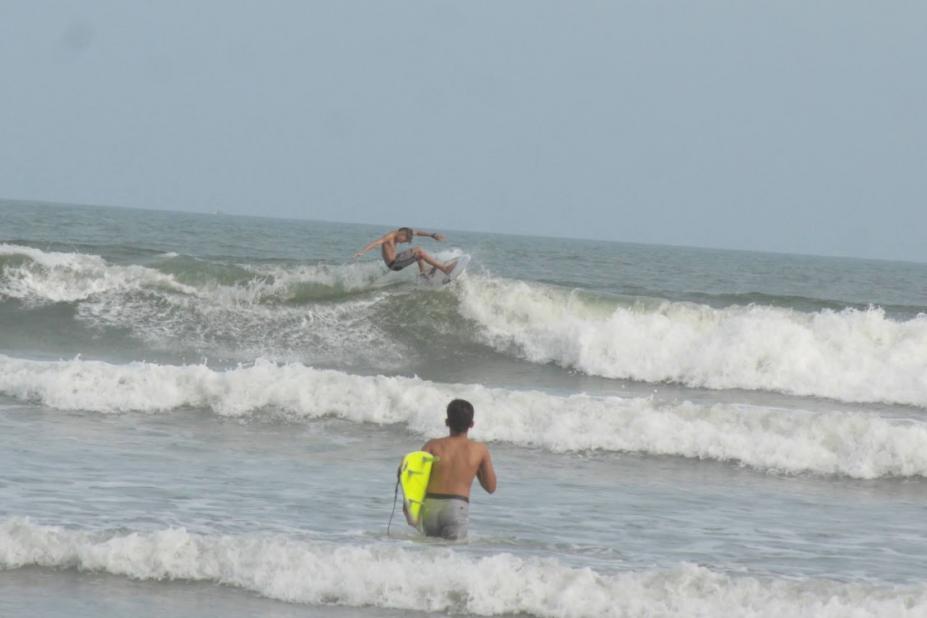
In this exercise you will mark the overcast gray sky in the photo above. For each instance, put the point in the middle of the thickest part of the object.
(790, 126)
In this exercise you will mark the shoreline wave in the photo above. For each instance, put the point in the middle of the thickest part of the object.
(853, 444)
(319, 573)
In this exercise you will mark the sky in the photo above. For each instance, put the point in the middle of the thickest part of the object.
(788, 126)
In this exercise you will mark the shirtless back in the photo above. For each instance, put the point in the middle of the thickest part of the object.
(458, 461)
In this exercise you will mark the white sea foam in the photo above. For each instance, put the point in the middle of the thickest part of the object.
(850, 355)
(244, 320)
(50, 276)
(277, 283)
(391, 576)
(341, 332)
(854, 444)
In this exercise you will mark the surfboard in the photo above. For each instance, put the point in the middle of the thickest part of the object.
(438, 278)
(414, 475)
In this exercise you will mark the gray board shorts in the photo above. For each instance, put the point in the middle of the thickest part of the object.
(445, 516)
(402, 260)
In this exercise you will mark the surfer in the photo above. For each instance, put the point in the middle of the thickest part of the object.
(398, 261)
(458, 460)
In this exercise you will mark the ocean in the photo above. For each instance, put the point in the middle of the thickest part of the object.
(202, 415)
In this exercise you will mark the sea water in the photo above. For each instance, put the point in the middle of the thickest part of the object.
(202, 415)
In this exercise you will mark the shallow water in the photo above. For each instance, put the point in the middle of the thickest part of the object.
(205, 412)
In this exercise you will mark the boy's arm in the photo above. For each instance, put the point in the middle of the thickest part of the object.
(435, 235)
(486, 473)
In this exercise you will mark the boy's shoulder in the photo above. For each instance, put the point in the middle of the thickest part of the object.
(471, 444)
(477, 447)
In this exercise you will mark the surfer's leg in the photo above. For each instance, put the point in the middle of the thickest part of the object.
(423, 258)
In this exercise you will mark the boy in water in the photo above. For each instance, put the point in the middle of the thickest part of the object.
(458, 460)
(398, 261)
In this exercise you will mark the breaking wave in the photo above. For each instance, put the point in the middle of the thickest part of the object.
(853, 444)
(37, 276)
(48, 276)
(346, 315)
(210, 308)
(317, 573)
(850, 355)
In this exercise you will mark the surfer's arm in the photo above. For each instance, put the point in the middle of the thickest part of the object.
(486, 473)
(372, 244)
(435, 235)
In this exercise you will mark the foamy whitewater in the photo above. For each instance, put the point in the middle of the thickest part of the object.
(776, 439)
(364, 575)
(203, 414)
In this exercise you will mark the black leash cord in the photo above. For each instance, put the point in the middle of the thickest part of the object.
(393, 512)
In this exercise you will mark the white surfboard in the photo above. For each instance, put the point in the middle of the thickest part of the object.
(438, 278)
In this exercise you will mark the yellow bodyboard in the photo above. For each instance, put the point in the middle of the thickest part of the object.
(413, 477)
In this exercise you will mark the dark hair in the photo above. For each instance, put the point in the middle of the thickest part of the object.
(408, 231)
(459, 415)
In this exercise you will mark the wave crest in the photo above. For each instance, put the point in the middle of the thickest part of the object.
(850, 355)
(51, 276)
(855, 444)
(205, 308)
(379, 576)
(38, 276)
